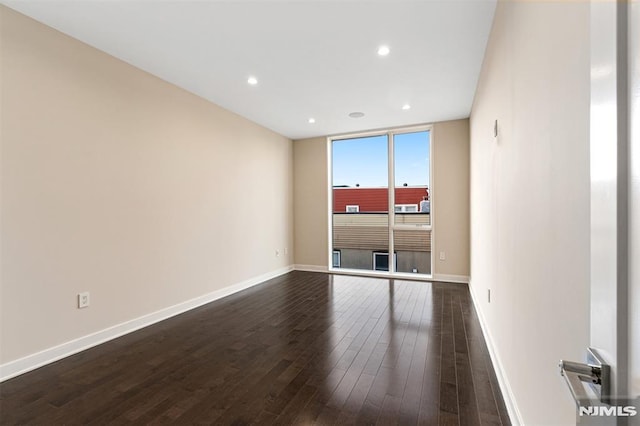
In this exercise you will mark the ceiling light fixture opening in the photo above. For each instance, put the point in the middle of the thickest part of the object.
(406, 107)
(383, 50)
(312, 120)
(356, 114)
(252, 81)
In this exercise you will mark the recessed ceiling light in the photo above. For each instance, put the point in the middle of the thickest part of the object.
(383, 50)
(356, 114)
(312, 120)
(406, 107)
(252, 81)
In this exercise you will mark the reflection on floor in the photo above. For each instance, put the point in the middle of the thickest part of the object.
(304, 348)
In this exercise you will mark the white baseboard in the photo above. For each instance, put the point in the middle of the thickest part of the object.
(47, 356)
(461, 279)
(311, 268)
(503, 382)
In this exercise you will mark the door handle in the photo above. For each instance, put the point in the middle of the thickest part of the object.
(595, 373)
(575, 373)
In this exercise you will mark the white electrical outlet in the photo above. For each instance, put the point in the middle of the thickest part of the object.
(277, 253)
(83, 300)
(442, 255)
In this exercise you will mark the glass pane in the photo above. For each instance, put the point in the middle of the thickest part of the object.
(360, 201)
(411, 173)
(413, 250)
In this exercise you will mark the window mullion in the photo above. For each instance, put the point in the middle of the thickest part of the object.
(391, 206)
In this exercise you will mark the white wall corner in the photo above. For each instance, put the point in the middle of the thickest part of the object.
(31, 362)
(503, 382)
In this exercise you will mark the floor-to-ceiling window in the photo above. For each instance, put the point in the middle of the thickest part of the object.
(380, 202)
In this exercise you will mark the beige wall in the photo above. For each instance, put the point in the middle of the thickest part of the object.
(120, 184)
(530, 200)
(450, 195)
(310, 194)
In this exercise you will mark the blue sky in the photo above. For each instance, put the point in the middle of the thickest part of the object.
(364, 160)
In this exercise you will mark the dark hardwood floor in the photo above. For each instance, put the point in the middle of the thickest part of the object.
(305, 348)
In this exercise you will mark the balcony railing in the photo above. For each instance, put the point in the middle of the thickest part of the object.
(370, 231)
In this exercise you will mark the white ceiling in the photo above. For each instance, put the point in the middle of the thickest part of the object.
(312, 58)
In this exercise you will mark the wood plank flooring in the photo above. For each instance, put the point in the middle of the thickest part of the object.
(302, 349)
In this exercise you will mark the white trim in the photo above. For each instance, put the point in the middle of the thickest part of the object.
(383, 131)
(461, 279)
(330, 190)
(429, 191)
(311, 268)
(381, 274)
(503, 382)
(47, 356)
(361, 273)
(391, 217)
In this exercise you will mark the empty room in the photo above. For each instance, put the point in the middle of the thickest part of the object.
(319, 212)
